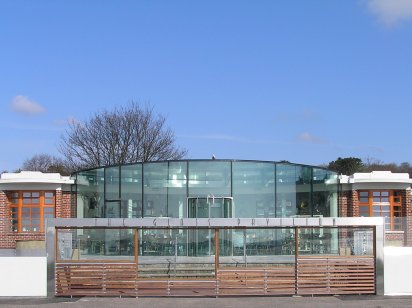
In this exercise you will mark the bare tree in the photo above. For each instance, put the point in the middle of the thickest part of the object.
(124, 135)
(45, 163)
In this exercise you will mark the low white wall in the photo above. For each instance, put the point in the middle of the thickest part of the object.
(23, 276)
(398, 270)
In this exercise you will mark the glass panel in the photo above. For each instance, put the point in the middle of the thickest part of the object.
(376, 193)
(363, 200)
(318, 241)
(155, 189)
(35, 201)
(26, 195)
(325, 193)
(131, 191)
(364, 211)
(385, 209)
(112, 183)
(49, 194)
(177, 191)
(364, 194)
(286, 190)
(385, 193)
(14, 220)
(209, 207)
(112, 209)
(303, 191)
(356, 241)
(164, 254)
(26, 212)
(263, 242)
(95, 244)
(48, 201)
(209, 178)
(254, 189)
(90, 198)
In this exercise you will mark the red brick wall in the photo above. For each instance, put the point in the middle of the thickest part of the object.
(399, 237)
(354, 206)
(348, 203)
(8, 238)
(344, 200)
(3, 214)
(407, 216)
(63, 204)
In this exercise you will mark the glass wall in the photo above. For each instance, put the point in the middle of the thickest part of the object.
(245, 189)
(237, 247)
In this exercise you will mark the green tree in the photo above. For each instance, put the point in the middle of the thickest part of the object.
(347, 166)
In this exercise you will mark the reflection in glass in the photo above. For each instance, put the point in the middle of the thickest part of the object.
(95, 244)
(131, 191)
(164, 189)
(254, 189)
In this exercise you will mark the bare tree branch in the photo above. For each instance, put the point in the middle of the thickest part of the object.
(125, 135)
(46, 163)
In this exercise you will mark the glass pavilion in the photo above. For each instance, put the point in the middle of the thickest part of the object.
(206, 189)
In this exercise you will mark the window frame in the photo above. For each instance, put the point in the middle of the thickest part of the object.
(46, 200)
(366, 209)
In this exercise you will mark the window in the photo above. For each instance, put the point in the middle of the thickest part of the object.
(30, 209)
(382, 203)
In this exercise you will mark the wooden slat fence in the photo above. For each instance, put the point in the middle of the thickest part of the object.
(334, 275)
(310, 275)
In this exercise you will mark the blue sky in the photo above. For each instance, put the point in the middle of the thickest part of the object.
(304, 81)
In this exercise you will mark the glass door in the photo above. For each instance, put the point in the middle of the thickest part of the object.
(201, 242)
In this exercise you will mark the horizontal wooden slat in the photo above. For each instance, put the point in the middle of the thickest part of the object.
(322, 275)
(335, 275)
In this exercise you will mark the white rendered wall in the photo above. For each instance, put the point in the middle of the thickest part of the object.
(398, 270)
(23, 276)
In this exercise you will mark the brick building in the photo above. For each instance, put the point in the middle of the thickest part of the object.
(27, 199)
(380, 194)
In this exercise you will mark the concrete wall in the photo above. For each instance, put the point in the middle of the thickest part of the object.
(398, 270)
(23, 276)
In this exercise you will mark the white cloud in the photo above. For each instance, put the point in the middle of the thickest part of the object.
(309, 138)
(22, 104)
(391, 12)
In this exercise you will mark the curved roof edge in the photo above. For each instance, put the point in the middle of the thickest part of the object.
(34, 177)
(206, 159)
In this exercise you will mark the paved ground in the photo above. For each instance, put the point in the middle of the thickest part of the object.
(226, 302)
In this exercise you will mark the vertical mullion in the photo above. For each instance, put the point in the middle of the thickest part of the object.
(136, 250)
(41, 210)
(19, 213)
(216, 251)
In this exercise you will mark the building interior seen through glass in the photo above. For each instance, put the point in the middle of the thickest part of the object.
(207, 189)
